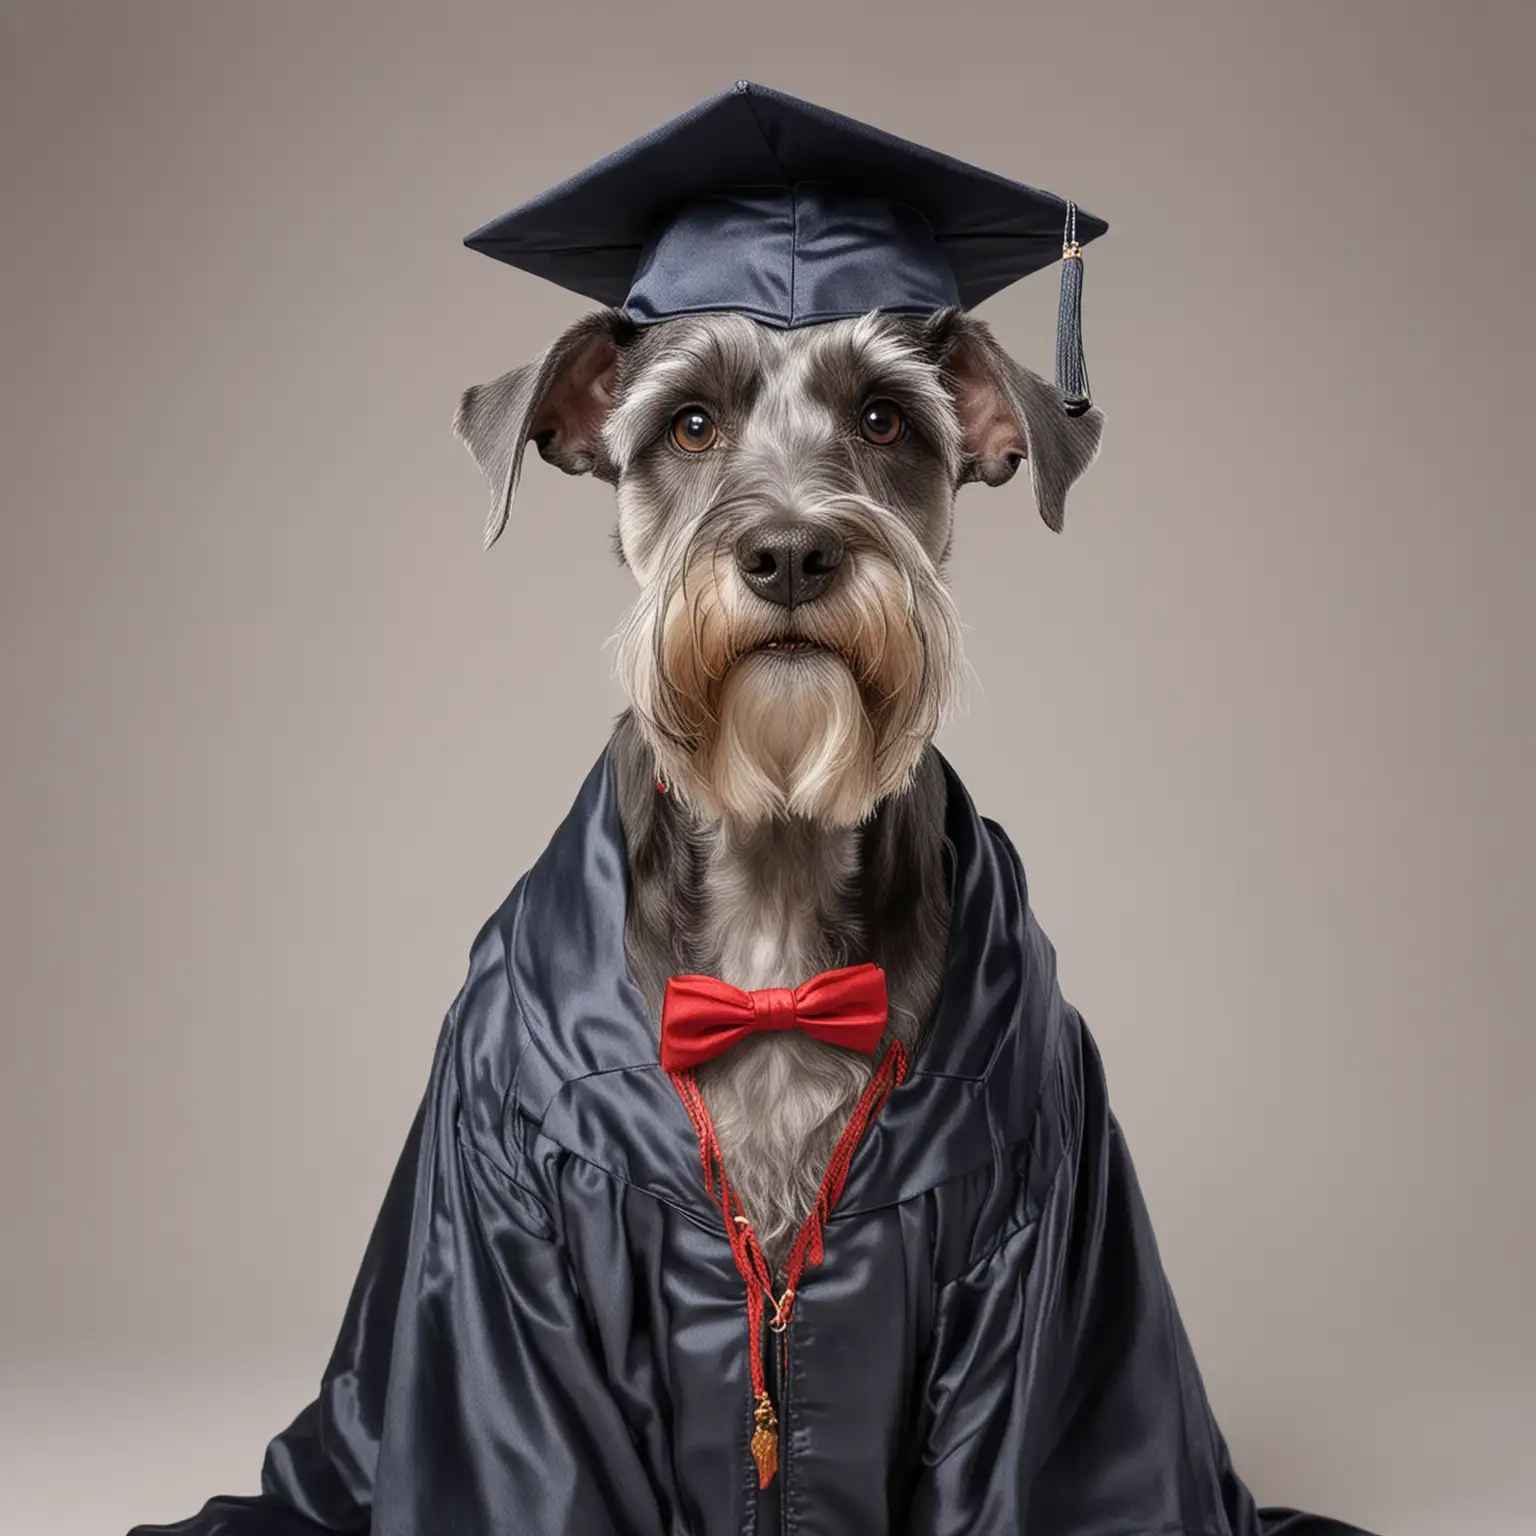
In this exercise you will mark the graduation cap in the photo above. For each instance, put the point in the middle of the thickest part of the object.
(760, 204)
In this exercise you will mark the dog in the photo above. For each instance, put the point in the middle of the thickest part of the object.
(786, 506)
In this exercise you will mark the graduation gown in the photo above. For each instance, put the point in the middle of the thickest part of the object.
(547, 1336)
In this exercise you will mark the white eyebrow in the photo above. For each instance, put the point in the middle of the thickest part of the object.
(727, 348)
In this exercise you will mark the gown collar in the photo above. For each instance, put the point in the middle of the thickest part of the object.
(586, 1018)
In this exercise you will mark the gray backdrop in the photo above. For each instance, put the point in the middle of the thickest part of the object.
(277, 737)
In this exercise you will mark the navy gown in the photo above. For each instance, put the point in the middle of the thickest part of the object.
(547, 1336)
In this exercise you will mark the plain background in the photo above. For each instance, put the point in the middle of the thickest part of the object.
(278, 737)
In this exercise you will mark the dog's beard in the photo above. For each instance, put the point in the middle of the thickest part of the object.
(792, 739)
(750, 735)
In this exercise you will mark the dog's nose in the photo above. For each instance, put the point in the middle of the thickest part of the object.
(789, 563)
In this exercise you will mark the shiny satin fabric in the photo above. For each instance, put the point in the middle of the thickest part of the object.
(702, 1017)
(791, 256)
(758, 203)
(546, 1335)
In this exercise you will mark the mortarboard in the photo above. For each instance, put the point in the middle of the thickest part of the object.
(760, 204)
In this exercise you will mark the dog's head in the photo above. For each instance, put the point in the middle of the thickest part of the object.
(786, 504)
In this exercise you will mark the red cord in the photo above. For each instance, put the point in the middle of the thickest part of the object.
(809, 1245)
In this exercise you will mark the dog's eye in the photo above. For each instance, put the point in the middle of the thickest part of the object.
(881, 422)
(692, 430)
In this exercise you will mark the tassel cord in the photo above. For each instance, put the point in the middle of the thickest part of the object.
(1071, 365)
(809, 1245)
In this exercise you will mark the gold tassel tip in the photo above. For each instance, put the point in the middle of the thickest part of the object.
(765, 1440)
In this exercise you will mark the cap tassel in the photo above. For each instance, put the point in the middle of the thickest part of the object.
(1071, 366)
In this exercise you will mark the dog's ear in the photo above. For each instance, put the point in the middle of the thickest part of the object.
(559, 401)
(1008, 414)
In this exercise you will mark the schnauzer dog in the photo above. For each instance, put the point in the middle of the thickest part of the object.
(785, 503)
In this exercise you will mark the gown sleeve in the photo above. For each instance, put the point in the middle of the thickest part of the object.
(1064, 1395)
(463, 1392)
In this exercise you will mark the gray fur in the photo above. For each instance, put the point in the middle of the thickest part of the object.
(877, 892)
(496, 421)
(802, 827)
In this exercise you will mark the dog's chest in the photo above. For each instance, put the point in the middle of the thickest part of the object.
(775, 913)
(775, 922)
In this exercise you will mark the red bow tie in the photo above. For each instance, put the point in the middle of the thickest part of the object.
(701, 1017)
